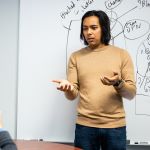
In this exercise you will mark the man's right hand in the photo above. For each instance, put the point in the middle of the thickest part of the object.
(64, 85)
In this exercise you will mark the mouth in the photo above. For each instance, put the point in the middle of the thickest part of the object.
(90, 39)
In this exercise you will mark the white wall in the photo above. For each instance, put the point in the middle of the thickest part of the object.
(9, 12)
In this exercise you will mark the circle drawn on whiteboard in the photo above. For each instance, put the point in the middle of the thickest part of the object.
(143, 59)
(136, 28)
(111, 4)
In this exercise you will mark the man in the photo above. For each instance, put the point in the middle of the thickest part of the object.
(102, 75)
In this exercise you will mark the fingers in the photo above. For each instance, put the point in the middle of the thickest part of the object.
(64, 85)
(106, 81)
(110, 80)
(56, 81)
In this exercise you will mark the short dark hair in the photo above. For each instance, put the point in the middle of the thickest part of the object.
(104, 23)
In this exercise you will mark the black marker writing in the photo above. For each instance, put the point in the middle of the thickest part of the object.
(144, 3)
(87, 3)
(68, 10)
(110, 4)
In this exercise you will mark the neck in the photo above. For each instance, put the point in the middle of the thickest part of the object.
(93, 47)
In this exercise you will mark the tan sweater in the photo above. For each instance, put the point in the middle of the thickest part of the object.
(100, 105)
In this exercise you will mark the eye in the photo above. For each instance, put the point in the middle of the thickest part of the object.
(94, 27)
(85, 28)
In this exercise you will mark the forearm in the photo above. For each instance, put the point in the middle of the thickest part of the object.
(127, 90)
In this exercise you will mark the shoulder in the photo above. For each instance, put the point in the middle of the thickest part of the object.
(116, 48)
(121, 51)
(79, 52)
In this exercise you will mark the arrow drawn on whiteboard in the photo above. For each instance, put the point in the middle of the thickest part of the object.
(127, 12)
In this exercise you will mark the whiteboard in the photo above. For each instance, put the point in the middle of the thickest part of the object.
(48, 33)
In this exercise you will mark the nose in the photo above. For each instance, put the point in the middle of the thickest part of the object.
(89, 31)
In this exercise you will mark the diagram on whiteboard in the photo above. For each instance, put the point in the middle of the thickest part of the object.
(126, 27)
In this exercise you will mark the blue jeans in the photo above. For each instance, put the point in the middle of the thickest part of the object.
(90, 138)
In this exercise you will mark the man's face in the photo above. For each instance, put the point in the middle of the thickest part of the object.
(92, 31)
